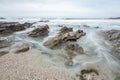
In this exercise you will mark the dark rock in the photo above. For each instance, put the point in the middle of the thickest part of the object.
(86, 72)
(114, 38)
(64, 37)
(66, 30)
(113, 35)
(42, 31)
(7, 28)
(3, 53)
(74, 48)
(86, 26)
(2, 18)
(43, 21)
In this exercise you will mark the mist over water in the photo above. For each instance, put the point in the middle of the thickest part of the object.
(97, 50)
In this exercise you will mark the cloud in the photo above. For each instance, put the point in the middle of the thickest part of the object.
(73, 8)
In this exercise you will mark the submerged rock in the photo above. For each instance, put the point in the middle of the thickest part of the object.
(71, 50)
(64, 37)
(74, 48)
(42, 31)
(4, 42)
(23, 48)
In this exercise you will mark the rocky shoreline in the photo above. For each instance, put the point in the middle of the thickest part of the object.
(66, 39)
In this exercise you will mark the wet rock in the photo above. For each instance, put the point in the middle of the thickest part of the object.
(97, 27)
(23, 48)
(60, 25)
(42, 31)
(89, 73)
(71, 50)
(74, 47)
(3, 53)
(51, 43)
(7, 28)
(64, 37)
(74, 36)
(113, 35)
(2, 18)
(43, 21)
(86, 26)
(66, 30)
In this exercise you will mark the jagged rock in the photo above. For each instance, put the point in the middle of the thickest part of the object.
(23, 48)
(66, 30)
(7, 28)
(42, 31)
(114, 38)
(74, 36)
(63, 38)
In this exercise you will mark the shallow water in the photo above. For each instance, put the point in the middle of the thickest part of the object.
(97, 50)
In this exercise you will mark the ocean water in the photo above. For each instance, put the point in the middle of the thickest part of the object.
(97, 49)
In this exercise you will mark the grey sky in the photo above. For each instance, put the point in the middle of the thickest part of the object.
(60, 8)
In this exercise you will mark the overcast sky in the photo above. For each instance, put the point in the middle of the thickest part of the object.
(60, 8)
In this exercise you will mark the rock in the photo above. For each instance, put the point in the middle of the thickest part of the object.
(42, 31)
(86, 26)
(7, 28)
(52, 43)
(114, 38)
(4, 42)
(113, 35)
(66, 30)
(43, 21)
(64, 37)
(3, 53)
(2, 18)
(23, 48)
(90, 73)
(74, 48)
(74, 36)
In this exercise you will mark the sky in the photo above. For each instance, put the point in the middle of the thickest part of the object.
(60, 8)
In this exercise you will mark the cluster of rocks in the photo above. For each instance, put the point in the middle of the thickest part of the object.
(7, 28)
(65, 35)
(41, 31)
(114, 37)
